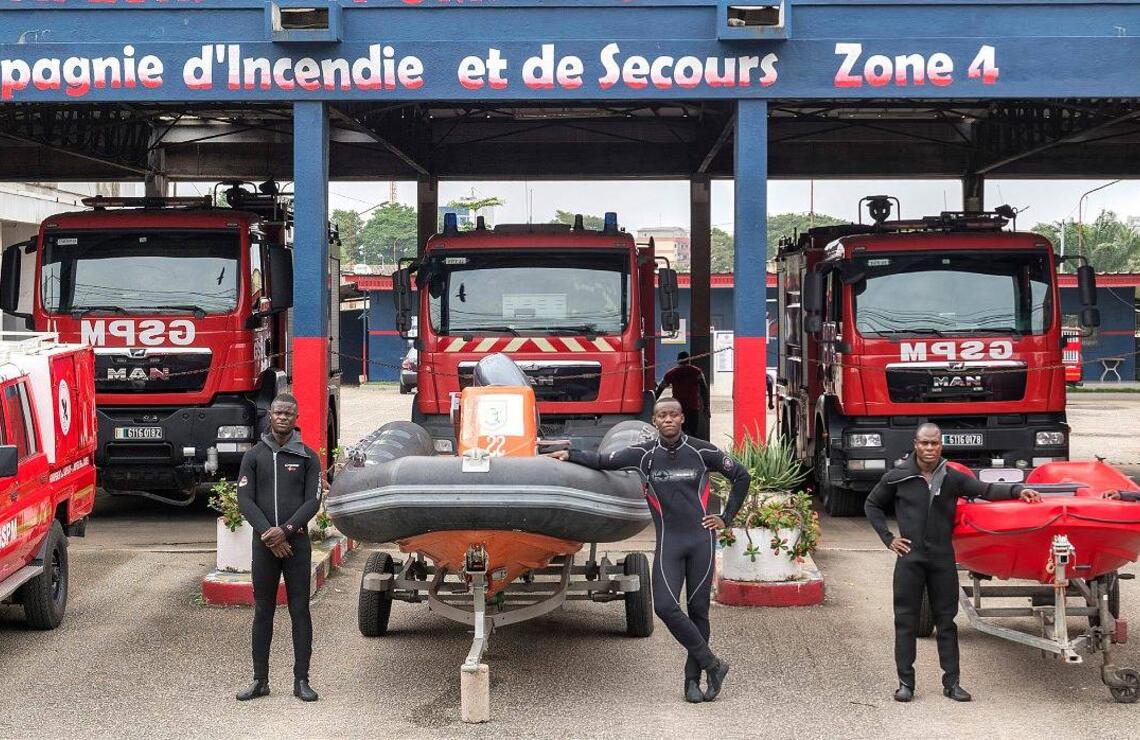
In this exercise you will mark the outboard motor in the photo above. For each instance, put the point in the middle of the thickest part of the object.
(498, 369)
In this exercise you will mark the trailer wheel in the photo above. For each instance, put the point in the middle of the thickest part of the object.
(1130, 692)
(375, 607)
(925, 616)
(45, 596)
(639, 603)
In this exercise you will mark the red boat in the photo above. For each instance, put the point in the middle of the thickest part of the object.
(1014, 539)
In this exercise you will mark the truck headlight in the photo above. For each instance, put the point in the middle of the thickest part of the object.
(1050, 439)
(236, 431)
(865, 440)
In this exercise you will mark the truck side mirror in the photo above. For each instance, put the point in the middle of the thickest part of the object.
(1090, 317)
(667, 299)
(402, 295)
(812, 297)
(9, 461)
(10, 280)
(1086, 286)
(280, 277)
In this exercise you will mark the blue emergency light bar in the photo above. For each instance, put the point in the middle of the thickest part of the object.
(610, 225)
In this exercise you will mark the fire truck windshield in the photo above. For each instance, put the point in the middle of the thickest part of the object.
(953, 294)
(537, 292)
(131, 271)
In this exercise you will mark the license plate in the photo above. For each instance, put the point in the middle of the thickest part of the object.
(962, 440)
(138, 432)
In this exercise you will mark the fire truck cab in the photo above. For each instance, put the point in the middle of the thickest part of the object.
(948, 319)
(47, 475)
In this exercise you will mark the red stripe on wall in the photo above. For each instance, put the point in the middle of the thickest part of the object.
(383, 332)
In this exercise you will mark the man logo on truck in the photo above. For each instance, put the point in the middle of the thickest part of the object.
(151, 332)
(971, 350)
(138, 373)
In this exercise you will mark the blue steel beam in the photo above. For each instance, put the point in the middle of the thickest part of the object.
(749, 305)
(310, 343)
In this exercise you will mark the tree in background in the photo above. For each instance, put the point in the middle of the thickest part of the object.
(472, 205)
(389, 235)
(350, 225)
(594, 223)
(779, 225)
(1109, 244)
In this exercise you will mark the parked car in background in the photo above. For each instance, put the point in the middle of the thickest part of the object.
(409, 366)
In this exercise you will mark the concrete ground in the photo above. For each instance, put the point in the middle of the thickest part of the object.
(139, 655)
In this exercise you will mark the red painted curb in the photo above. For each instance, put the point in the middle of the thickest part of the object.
(789, 593)
(236, 589)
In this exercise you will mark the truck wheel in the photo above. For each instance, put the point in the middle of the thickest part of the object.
(639, 603)
(844, 502)
(45, 596)
(375, 607)
(925, 617)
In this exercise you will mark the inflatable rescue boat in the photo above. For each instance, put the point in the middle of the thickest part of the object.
(1013, 539)
(498, 497)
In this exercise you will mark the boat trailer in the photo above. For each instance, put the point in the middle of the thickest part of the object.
(462, 597)
(1098, 601)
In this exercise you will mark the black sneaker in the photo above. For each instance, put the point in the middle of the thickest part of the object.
(259, 687)
(716, 676)
(303, 691)
(957, 693)
(904, 693)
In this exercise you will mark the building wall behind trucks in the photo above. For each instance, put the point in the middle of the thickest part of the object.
(47, 475)
(588, 372)
(183, 390)
(861, 368)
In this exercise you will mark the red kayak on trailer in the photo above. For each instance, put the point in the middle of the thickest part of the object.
(1014, 539)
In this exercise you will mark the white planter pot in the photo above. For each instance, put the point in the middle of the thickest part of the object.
(235, 549)
(738, 565)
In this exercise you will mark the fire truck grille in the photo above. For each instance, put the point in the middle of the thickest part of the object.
(552, 380)
(956, 383)
(150, 371)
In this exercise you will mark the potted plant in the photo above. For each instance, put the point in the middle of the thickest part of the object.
(235, 536)
(776, 526)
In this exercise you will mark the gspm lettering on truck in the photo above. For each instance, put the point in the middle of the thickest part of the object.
(948, 319)
(572, 306)
(187, 307)
(47, 475)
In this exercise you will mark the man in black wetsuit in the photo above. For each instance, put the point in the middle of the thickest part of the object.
(676, 467)
(279, 489)
(925, 492)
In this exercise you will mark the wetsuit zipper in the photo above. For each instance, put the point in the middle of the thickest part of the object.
(276, 518)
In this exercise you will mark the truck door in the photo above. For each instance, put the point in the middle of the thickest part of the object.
(25, 500)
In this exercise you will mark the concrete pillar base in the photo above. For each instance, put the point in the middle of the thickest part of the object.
(808, 590)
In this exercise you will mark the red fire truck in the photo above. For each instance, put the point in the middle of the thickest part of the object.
(572, 306)
(187, 306)
(948, 319)
(47, 479)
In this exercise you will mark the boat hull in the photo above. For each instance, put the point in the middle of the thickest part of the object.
(1014, 539)
(417, 495)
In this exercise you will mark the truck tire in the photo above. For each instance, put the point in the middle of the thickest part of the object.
(45, 596)
(639, 603)
(375, 607)
(837, 500)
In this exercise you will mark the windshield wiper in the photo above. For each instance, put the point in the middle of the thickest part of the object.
(79, 311)
(198, 311)
(587, 329)
(477, 329)
(995, 330)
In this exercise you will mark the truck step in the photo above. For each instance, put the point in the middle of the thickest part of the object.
(19, 578)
